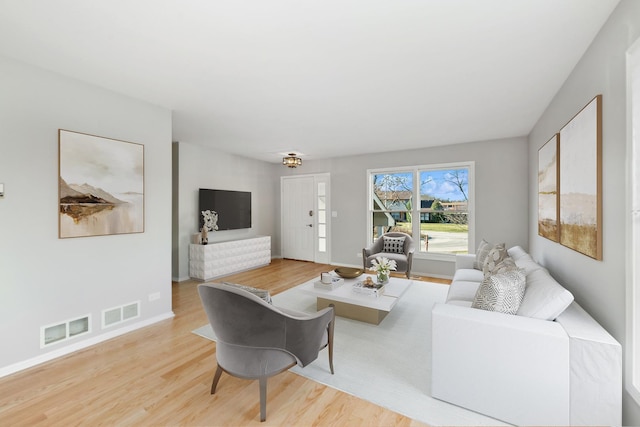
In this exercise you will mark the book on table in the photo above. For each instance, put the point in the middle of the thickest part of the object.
(335, 282)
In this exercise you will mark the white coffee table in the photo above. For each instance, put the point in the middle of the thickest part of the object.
(348, 303)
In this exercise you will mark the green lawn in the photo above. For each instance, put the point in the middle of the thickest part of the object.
(449, 228)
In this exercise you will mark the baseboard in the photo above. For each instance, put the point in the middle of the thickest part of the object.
(29, 363)
(180, 279)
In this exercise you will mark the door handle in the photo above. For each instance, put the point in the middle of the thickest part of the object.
(309, 225)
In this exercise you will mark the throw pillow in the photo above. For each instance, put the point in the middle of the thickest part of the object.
(393, 245)
(506, 264)
(260, 293)
(495, 256)
(501, 292)
(481, 254)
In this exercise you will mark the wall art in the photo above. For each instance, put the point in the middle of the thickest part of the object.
(548, 206)
(581, 181)
(100, 185)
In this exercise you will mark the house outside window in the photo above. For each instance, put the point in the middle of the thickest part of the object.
(432, 203)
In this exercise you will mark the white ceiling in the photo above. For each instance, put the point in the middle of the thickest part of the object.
(318, 77)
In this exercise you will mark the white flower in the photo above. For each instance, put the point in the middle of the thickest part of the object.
(383, 265)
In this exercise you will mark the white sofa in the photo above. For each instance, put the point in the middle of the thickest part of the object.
(551, 364)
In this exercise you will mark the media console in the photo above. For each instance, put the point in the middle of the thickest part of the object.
(222, 258)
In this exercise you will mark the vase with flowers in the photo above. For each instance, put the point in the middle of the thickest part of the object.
(383, 266)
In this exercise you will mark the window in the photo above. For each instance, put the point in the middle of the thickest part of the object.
(434, 204)
(633, 224)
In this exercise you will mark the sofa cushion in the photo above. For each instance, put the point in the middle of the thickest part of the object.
(544, 298)
(463, 290)
(529, 265)
(501, 292)
(468, 274)
(393, 245)
(517, 253)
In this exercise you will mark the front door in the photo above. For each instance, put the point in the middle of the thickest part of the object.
(306, 224)
(298, 220)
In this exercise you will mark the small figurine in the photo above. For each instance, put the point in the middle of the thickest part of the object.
(204, 235)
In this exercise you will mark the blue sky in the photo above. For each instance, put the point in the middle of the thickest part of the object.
(435, 184)
(438, 187)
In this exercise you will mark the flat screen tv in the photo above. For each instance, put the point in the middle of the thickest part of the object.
(233, 208)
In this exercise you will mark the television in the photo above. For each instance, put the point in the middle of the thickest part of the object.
(233, 208)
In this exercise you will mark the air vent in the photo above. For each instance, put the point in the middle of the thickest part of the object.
(115, 315)
(62, 331)
(130, 311)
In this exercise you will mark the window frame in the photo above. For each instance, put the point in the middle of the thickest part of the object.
(632, 366)
(415, 210)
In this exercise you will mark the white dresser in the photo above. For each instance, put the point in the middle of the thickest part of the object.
(222, 258)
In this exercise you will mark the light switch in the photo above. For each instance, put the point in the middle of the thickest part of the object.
(334, 214)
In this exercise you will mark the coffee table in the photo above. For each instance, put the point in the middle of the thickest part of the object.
(348, 303)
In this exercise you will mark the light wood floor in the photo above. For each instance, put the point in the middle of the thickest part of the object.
(161, 375)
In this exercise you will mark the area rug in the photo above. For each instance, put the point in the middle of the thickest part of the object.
(387, 364)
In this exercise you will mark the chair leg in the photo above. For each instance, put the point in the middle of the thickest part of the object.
(216, 378)
(263, 398)
(330, 339)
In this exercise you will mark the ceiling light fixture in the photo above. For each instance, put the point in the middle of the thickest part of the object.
(291, 161)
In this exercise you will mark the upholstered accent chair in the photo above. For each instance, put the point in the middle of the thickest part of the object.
(393, 245)
(256, 340)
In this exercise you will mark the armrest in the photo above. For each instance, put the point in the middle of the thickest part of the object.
(304, 334)
(465, 261)
(509, 367)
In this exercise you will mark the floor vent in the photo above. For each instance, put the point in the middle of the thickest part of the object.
(62, 331)
(115, 315)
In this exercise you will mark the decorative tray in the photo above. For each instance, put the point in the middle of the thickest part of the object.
(363, 288)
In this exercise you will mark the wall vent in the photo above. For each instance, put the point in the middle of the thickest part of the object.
(115, 315)
(62, 331)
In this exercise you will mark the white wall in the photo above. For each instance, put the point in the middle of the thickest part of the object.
(204, 167)
(599, 286)
(43, 279)
(501, 197)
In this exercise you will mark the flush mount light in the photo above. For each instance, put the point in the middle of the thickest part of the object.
(291, 161)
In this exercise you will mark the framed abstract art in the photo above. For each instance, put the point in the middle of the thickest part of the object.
(548, 206)
(581, 181)
(100, 185)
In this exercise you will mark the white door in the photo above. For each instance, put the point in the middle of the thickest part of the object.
(298, 218)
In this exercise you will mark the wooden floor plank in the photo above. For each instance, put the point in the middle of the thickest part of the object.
(161, 375)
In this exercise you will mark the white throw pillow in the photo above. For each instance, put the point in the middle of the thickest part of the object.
(501, 292)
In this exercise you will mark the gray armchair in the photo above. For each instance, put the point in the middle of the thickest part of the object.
(256, 340)
(395, 248)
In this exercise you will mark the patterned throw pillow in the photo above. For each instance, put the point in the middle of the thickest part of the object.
(501, 292)
(393, 245)
(260, 293)
(481, 254)
(495, 256)
(503, 266)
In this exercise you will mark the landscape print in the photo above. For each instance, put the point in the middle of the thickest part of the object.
(580, 181)
(548, 190)
(101, 186)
